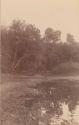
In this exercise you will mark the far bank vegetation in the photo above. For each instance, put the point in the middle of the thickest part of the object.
(24, 49)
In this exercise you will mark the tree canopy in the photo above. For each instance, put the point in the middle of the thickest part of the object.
(24, 49)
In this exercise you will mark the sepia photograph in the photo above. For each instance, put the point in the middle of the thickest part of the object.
(39, 62)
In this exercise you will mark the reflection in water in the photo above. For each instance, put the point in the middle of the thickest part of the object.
(57, 104)
(76, 115)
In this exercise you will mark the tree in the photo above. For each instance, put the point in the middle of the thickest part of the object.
(22, 42)
(70, 39)
(52, 35)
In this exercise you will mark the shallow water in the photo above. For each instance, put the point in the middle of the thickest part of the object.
(56, 103)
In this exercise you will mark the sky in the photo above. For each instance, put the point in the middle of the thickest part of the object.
(60, 15)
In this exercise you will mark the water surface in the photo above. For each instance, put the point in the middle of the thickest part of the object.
(56, 103)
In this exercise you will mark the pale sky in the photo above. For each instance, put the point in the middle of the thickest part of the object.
(58, 14)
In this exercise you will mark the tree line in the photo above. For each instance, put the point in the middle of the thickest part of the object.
(24, 49)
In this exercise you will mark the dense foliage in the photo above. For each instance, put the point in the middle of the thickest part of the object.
(23, 49)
